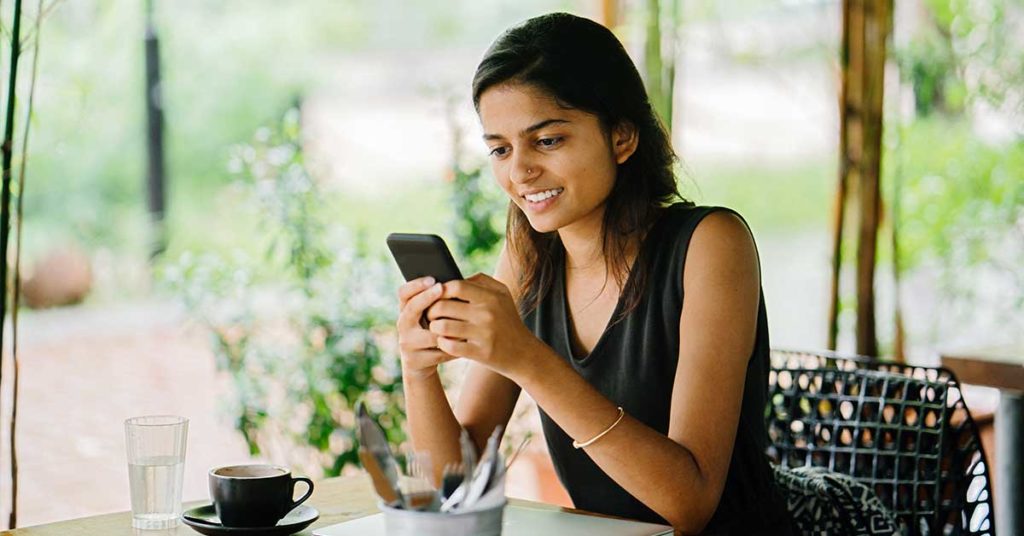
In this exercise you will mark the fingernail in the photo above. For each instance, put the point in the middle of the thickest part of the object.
(428, 281)
(437, 287)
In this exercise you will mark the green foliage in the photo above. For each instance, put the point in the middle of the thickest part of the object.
(969, 53)
(477, 212)
(781, 197)
(929, 65)
(962, 211)
(307, 329)
(958, 193)
(87, 174)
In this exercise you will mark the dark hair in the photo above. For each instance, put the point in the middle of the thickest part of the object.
(582, 65)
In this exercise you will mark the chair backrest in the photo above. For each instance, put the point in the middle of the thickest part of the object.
(902, 430)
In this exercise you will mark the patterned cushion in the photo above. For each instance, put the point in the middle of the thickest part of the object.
(823, 503)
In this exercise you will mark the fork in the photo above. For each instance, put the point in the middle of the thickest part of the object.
(419, 492)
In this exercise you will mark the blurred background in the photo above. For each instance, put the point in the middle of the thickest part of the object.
(236, 273)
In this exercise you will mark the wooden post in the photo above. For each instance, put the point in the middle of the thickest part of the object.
(866, 28)
(610, 13)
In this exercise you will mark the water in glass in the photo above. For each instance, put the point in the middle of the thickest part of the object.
(156, 491)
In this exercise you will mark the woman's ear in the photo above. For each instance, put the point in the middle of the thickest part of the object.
(625, 138)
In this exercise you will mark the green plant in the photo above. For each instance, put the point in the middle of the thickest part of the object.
(476, 211)
(962, 212)
(955, 176)
(307, 329)
(967, 53)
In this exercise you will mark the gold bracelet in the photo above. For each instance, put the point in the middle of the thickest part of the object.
(578, 445)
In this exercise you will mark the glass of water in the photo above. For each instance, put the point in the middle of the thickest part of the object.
(156, 465)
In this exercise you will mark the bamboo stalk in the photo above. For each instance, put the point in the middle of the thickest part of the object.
(843, 187)
(653, 64)
(899, 337)
(877, 16)
(13, 520)
(5, 194)
(866, 25)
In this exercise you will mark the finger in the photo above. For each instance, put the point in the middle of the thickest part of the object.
(412, 288)
(456, 347)
(449, 309)
(427, 358)
(465, 290)
(418, 341)
(410, 316)
(453, 329)
(487, 281)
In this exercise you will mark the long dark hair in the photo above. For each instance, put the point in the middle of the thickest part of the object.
(583, 66)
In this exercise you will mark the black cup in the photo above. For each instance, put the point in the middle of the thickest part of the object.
(254, 495)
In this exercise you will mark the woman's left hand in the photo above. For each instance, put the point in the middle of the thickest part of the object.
(484, 326)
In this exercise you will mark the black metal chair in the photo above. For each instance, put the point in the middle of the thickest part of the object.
(902, 430)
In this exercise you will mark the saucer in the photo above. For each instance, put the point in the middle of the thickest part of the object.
(204, 520)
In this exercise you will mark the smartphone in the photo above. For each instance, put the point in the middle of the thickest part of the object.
(420, 255)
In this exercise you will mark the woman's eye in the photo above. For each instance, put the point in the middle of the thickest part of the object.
(499, 151)
(549, 142)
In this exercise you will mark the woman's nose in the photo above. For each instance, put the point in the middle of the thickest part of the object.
(522, 169)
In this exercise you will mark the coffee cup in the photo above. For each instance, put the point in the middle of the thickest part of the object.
(254, 495)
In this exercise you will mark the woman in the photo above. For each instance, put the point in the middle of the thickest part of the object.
(636, 324)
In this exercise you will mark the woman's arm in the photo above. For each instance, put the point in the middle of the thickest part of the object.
(679, 476)
(487, 399)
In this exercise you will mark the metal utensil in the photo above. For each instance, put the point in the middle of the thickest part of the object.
(417, 489)
(468, 455)
(387, 493)
(485, 471)
(373, 440)
(515, 454)
(469, 467)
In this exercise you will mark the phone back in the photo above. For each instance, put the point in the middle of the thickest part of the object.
(420, 255)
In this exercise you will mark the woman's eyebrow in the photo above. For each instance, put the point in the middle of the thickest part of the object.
(528, 130)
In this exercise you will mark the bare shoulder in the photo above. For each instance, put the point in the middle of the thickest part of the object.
(722, 244)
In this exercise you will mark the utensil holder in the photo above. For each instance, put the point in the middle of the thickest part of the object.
(416, 523)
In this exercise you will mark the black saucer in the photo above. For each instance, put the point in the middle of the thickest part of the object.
(204, 520)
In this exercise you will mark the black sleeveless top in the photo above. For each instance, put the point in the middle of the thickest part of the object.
(634, 365)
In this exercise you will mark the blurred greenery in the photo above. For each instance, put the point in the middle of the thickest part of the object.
(228, 67)
(961, 213)
(306, 329)
(478, 219)
(777, 197)
(954, 167)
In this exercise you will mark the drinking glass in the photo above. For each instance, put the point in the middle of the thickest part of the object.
(156, 465)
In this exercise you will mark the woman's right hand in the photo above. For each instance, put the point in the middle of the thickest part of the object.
(416, 344)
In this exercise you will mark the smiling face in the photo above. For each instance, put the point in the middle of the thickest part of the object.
(558, 165)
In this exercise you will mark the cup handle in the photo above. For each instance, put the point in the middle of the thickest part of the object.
(309, 484)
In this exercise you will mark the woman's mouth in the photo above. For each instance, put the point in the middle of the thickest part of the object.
(542, 200)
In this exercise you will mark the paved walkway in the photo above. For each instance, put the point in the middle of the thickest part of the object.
(83, 371)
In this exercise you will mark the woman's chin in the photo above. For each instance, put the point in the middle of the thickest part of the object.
(542, 224)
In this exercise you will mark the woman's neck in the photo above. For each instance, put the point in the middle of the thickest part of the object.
(583, 242)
